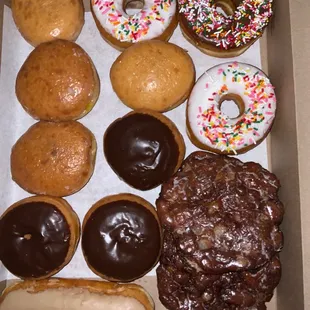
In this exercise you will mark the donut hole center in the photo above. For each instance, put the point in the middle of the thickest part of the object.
(28, 236)
(232, 106)
(225, 7)
(132, 7)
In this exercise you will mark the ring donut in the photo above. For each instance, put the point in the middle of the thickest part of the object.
(157, 19)
(225, 34)
(251, 90)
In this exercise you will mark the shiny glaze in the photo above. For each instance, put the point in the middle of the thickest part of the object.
(121, 240)
(237, 213)
(246, 20)
(63, 74)
(45, 20)
(34, 239)
(141, 150)
(246, 290)
(220, 220)
(54, 159)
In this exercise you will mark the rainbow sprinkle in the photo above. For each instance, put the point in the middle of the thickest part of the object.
(218, 128)
(133, 28)
(247, 23)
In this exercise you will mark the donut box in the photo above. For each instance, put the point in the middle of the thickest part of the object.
(281, 53)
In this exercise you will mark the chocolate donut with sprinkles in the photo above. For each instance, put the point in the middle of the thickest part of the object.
(228, 32)
(125, 22)
(251, 90)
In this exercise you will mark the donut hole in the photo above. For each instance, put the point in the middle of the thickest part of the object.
(232, 106)
(225, 7)
(28, 236)
(132, 7)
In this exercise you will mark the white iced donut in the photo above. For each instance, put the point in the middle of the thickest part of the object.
(210, 129)
(156, 19)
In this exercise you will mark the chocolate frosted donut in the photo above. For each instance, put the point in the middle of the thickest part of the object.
(121, 238)
(224, 34)
(143, 148)
(38, 237)
(220, 219)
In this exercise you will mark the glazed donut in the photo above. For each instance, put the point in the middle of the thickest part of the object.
(220, 35)
(156, 20)
(46, 20)
(54, 159)
(251, 90)
(58, 82)
(141, 74)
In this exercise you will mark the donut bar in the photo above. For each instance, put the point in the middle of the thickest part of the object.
(153, 75)
(38, 237)
(220, 219)
(228, 33)
(58, 82)
(77, 294)
(143, 148)
(121, 238)
(123, 22)
(251, 90)
(45, 20)
(55, 159)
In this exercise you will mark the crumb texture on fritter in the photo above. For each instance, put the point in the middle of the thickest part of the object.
(221, 219)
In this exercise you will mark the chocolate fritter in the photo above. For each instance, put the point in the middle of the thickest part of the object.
(141, 150)
(34, 239)
(182, 290)
(122, 240)
(224, 213)
(220, 220)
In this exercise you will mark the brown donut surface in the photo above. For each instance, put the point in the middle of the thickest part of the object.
(45, 20)
(153, 75)
(57, 82)
(55, 159)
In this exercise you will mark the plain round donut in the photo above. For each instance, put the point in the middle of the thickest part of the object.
(46, 20)
(156, 20)
(253, 93)
(227, 34)
(153, 75)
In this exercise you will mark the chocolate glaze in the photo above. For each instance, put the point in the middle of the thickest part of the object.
(34, 239)
(141, 150)
(208, 37)
(180, 289)
(220, 220)
(121, 240)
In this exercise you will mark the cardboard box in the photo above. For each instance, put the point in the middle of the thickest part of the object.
(286, 59)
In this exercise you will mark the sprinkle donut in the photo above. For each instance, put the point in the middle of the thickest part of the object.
(156, 20)
(224, 35)
(251, 90)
